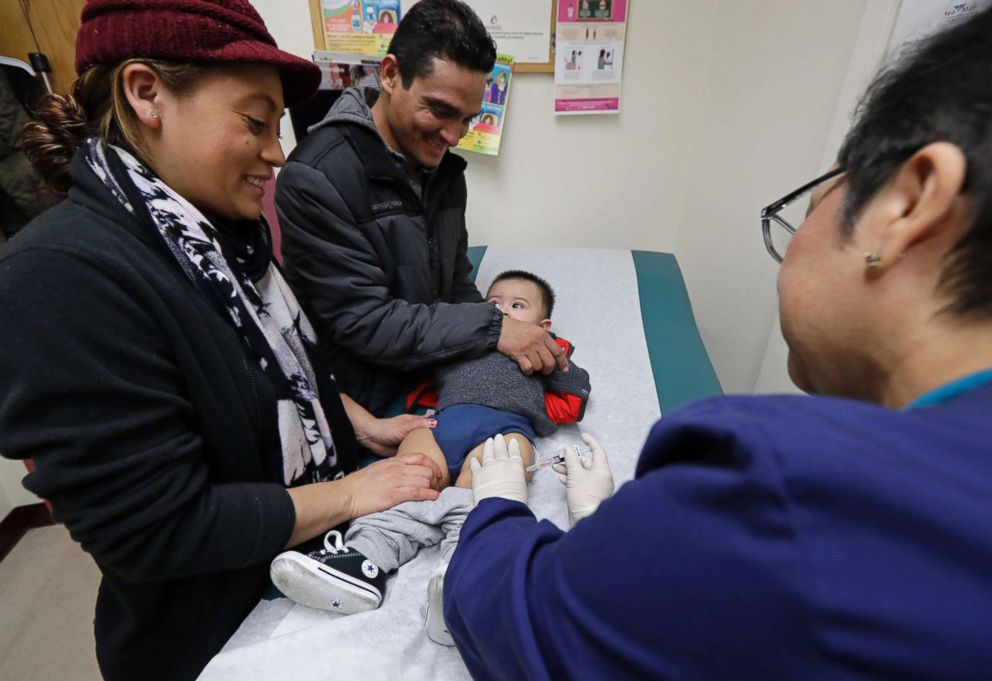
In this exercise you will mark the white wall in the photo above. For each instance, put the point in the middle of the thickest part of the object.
(610, 181)
(876, 24)
(11, 492)
(776, 71)
(727, 105)
(289, 23)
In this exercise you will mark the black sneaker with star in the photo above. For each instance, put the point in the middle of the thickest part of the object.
(335, 578)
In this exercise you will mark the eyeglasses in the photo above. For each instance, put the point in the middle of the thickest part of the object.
(775, 225)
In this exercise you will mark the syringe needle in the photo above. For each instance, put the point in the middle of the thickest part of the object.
(558, 458)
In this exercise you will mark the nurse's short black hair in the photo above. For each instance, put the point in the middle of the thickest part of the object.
(940, 91)
(547, 293)
(445, 29)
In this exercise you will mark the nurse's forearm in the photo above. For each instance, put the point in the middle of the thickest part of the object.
(490, 587)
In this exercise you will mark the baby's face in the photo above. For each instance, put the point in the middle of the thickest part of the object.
(519, 298)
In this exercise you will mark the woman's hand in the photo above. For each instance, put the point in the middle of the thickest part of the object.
(318, 506)
(383, 436)
(383, 484)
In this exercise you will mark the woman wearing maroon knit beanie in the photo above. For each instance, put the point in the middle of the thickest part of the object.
(155, 365)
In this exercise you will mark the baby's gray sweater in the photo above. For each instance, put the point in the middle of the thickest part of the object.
(494, 380)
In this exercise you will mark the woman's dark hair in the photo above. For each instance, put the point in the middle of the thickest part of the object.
(547, 293)
(98, 107)
(446, 29)
(941, 91)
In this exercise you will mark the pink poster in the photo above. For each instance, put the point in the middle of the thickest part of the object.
(592, 10)
(589, 56)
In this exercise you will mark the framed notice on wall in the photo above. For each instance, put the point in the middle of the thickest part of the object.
(522, 29)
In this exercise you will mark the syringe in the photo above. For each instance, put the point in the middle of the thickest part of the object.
(582, 452)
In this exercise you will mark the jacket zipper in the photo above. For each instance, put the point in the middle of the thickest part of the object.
(253, 389)
(432, 261)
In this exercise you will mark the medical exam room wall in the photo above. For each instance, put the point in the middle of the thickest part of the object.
(726, 105)
(876, 26)
(783, 80)
(12, 493)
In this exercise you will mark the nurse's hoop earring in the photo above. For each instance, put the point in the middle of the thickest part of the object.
(872, 260)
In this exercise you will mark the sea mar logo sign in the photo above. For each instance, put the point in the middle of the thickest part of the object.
(494, 23)
(959, 10)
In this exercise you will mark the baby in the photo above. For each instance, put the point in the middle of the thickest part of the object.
(477, 399)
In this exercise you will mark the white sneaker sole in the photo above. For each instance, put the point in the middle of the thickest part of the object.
(313, 584)
(437, 630)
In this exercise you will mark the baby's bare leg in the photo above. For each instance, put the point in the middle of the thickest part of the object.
(526, 453)
(422, 441)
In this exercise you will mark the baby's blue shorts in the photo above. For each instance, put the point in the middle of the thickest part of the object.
(462, 427)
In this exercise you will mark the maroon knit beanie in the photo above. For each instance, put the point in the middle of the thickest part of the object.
(192, 31)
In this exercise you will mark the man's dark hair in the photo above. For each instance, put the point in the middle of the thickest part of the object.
(547, 293)
(941, 91)
(446, 29)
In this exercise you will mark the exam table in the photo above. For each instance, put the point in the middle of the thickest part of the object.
(629, 317)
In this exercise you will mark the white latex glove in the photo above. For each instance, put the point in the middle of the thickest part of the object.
(587, 481)
(501, 473)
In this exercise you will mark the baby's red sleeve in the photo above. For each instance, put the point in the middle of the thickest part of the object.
(563, 407)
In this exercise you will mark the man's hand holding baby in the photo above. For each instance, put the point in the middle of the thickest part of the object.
(531, 347)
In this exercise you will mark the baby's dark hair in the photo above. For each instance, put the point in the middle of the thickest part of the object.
(547, 293)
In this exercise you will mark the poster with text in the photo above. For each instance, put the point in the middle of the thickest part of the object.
(521, 28)
(589, 56)
(359, 26)
(485, 132)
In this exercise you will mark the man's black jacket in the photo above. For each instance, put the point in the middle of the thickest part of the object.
(381, 271)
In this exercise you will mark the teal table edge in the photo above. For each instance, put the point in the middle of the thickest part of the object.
(475, 255)
(682, 369)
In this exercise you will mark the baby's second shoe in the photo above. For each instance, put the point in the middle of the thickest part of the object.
(335, 578)
(437, 630)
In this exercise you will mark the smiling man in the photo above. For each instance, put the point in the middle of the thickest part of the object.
(372, 207)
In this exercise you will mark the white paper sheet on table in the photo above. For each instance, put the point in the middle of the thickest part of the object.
(598, 311)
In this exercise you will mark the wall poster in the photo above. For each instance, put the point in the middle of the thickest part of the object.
(589, 56)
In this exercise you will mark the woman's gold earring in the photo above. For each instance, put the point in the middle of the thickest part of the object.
(872, 260)
(153, 114)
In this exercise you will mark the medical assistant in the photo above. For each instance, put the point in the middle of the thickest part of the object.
(762, 538)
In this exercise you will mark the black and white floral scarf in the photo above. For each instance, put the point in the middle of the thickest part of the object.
(265, 313)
